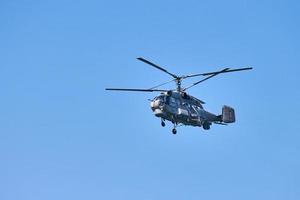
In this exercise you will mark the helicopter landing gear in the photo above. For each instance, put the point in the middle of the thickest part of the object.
(163, 124)
(174, 131)
(206, 126)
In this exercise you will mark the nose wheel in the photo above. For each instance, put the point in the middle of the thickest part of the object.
(174, 131)
(163, 124)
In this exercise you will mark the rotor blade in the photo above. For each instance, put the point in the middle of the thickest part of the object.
(231, 70)
(162, 84)
(211, 73)
(215, 74)
(156, 66)
(135, 90)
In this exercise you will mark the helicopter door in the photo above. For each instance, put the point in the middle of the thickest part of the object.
(183, 111)
(173, 104)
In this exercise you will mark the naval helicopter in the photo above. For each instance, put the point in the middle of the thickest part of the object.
(181, 108)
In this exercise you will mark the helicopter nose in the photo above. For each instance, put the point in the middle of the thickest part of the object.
(156, 108)
(154, 104)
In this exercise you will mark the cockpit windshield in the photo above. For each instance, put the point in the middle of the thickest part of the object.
(160, 98)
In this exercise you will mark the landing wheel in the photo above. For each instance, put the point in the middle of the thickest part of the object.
(163, 124)
(206, 126)
(174, 131)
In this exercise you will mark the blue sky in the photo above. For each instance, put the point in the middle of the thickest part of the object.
(63, 137)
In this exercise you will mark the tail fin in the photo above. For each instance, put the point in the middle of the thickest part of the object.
(228, 115)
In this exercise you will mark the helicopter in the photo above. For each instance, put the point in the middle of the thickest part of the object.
(180, 108)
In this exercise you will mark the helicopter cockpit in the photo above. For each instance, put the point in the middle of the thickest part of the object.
(158, 101)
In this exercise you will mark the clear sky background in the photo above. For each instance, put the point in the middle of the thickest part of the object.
(63, 137)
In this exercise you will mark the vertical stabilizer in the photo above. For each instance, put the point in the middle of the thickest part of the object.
(228, 115)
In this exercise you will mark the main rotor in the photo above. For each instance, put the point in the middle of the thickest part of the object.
(178, 79)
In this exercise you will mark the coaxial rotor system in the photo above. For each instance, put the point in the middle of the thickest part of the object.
(178, 79)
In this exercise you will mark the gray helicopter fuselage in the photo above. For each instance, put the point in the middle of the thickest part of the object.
(179, 107)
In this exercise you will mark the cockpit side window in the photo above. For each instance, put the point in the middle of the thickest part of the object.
(167, 99)
(193, 109)
(161, 98)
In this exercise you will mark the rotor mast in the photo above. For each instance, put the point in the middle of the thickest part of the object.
(178, 83)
